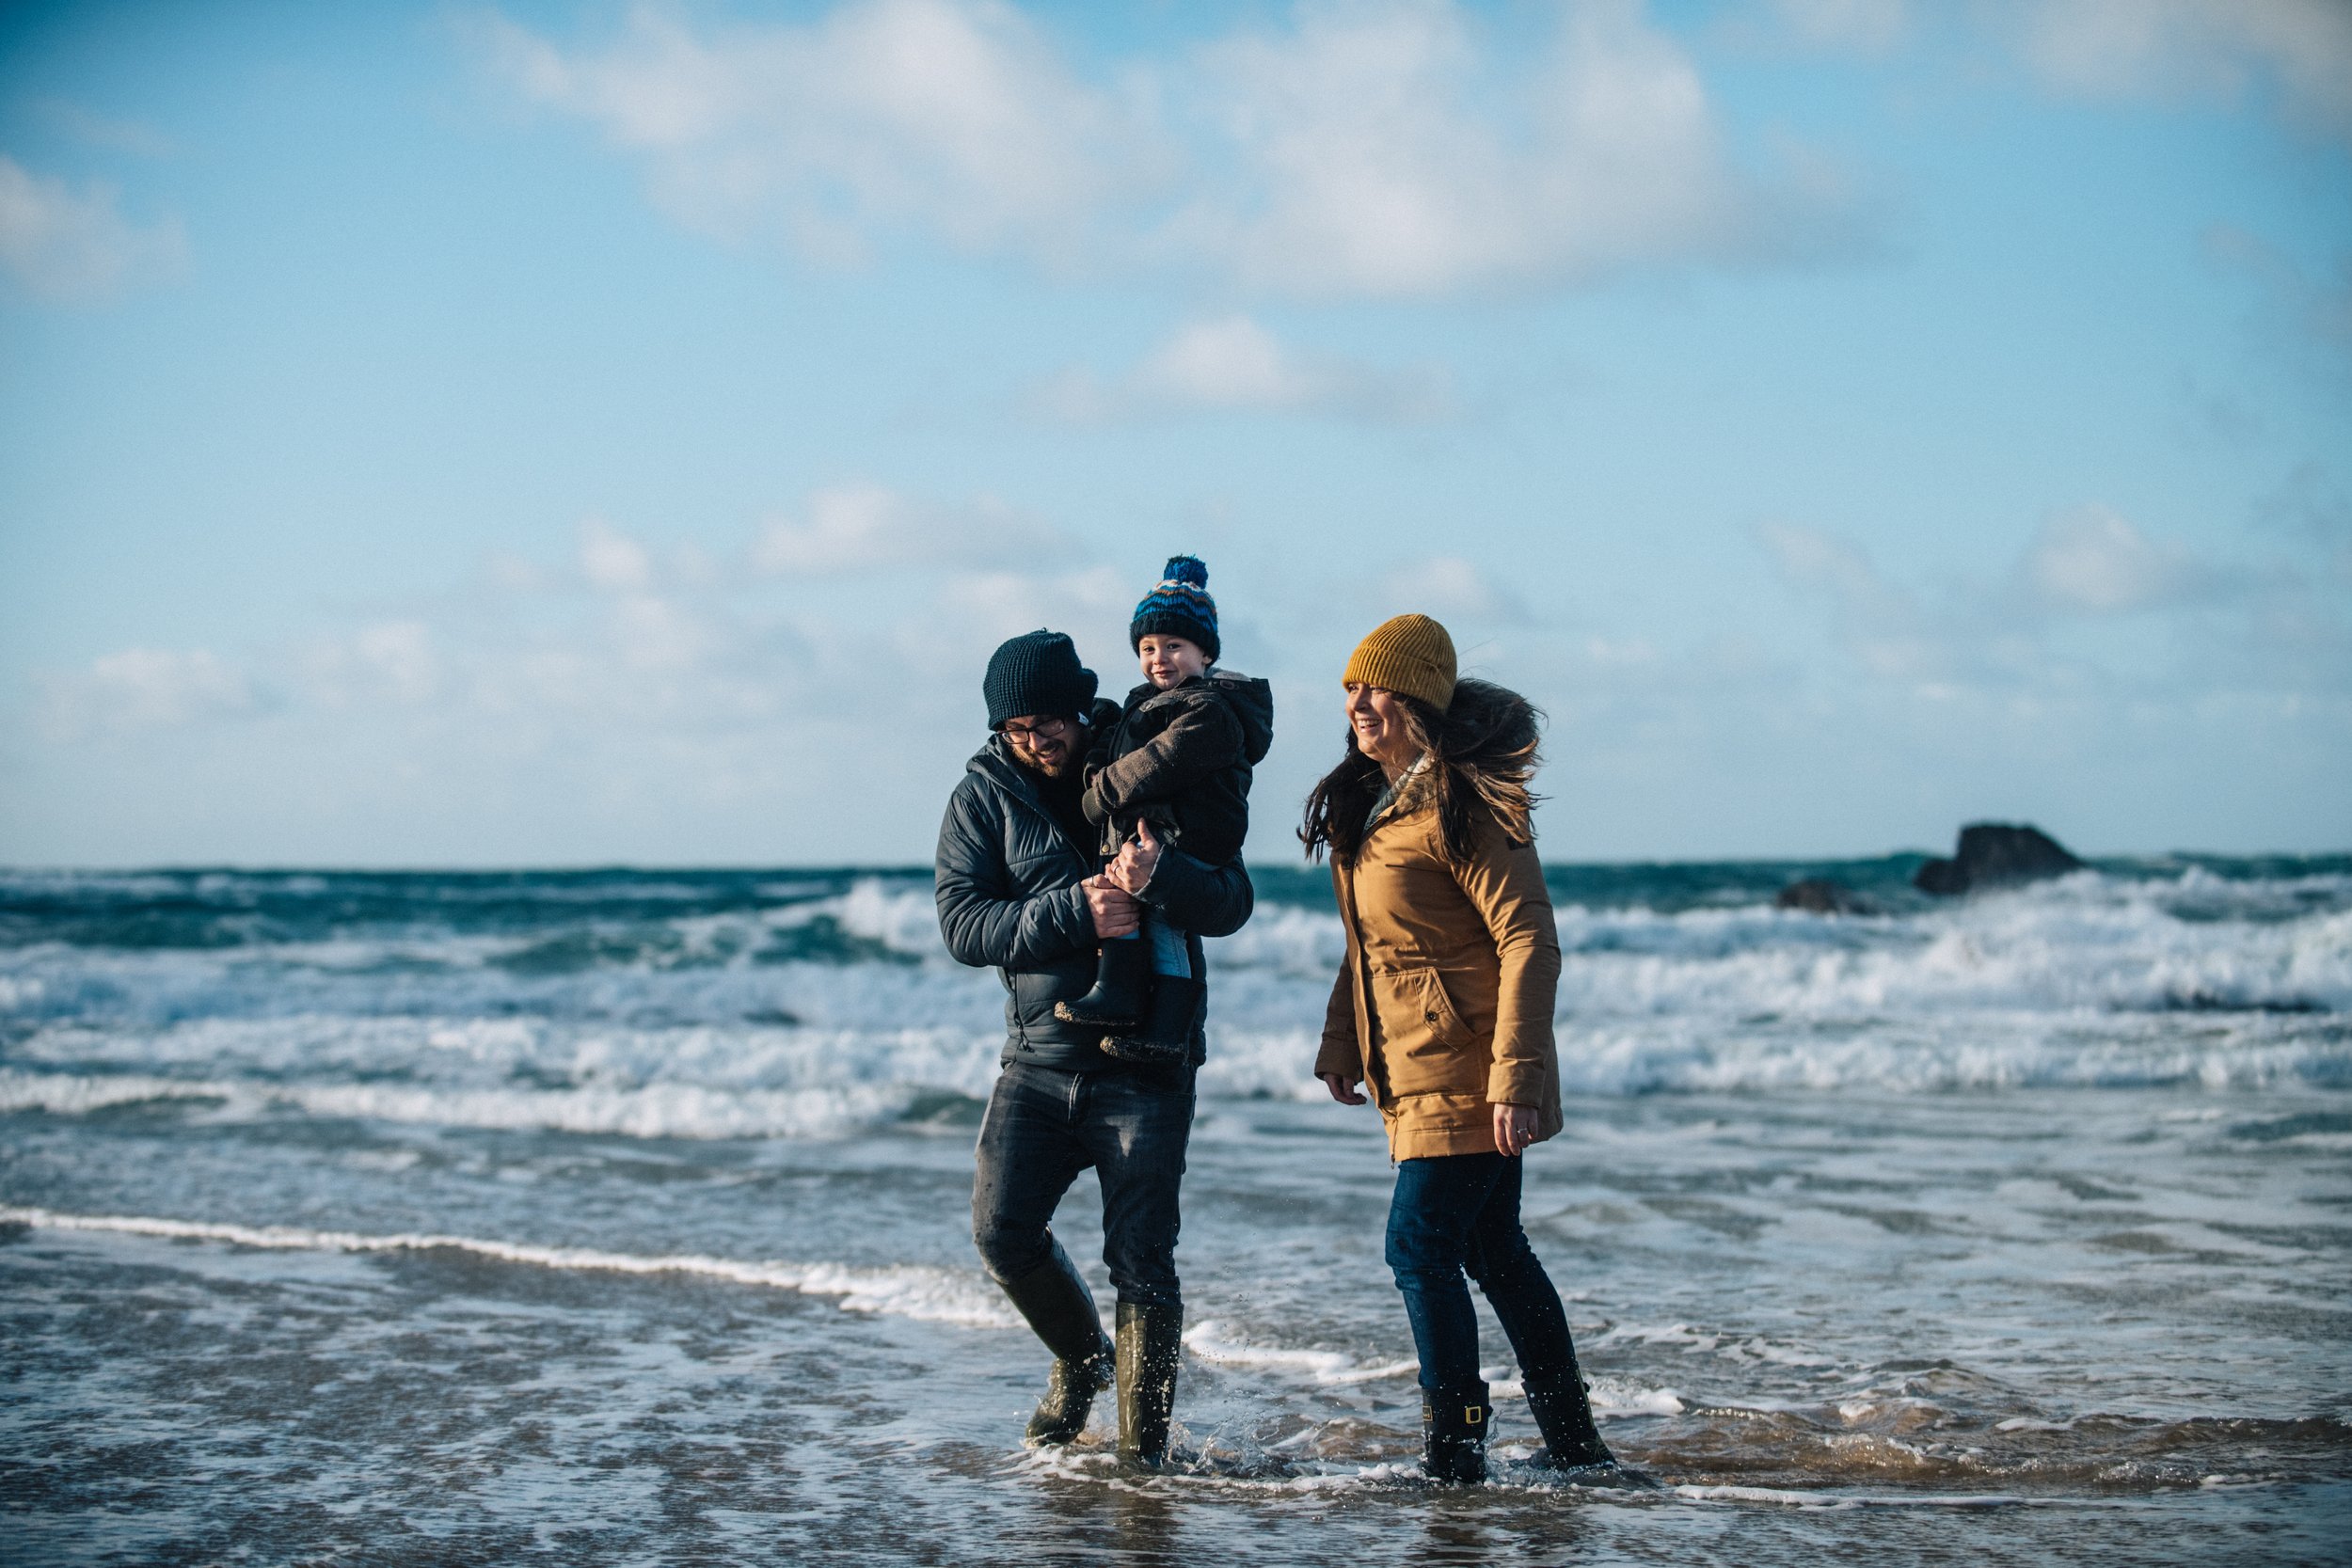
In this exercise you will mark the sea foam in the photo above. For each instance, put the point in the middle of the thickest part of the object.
(660, 1007)
(903, 1290)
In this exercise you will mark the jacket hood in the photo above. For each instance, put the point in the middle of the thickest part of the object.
(1252, 702)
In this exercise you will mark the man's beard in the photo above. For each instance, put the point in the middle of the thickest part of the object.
(1056, 769)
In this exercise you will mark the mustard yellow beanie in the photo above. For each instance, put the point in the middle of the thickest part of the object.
(1410, 654)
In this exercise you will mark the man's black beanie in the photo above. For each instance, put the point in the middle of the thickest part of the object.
(1037, 672)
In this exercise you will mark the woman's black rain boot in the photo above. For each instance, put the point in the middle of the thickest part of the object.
(1454, 1434)
(1564, 1414)
(1059, 1307)
(1121, 976)
(1166, 1038)
(1151, 1343)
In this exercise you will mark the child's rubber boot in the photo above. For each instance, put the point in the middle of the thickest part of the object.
(1121, 976)
(1166, 1037)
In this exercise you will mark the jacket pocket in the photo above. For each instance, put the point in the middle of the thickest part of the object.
(1424, 1045)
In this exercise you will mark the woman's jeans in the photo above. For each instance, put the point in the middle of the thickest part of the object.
(1458, 1212)
(1043, 1127)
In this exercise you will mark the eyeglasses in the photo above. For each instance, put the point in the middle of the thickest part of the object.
(1050, 728)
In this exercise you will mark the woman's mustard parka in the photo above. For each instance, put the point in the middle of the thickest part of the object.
(1443, 1004)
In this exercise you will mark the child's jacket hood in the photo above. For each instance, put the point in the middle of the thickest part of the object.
(1252, 702)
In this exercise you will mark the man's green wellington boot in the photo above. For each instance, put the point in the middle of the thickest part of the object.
(1564, 1414)
(1151, 1343)
(1454, 1424)
(1059, 1307)
(1122, 977)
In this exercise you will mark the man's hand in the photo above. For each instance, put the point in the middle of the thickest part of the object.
(1343, 1088)
(1138, 858)
(1115, 910)
(1515, 1129)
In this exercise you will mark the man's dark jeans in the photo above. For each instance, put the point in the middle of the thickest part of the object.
(1043, 1127)
(1461, 1211)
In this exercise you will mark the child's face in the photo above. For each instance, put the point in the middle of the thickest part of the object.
(1169, 661)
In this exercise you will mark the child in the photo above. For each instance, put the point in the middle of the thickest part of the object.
(1179, 758)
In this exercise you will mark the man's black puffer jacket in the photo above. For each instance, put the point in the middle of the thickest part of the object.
(1007, 879)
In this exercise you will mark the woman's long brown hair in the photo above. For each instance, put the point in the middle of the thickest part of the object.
(1483, 752)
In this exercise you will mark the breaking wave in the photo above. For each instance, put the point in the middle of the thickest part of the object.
(744, 1004)
(904, 1290)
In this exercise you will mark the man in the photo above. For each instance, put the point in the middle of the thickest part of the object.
(1018, 890)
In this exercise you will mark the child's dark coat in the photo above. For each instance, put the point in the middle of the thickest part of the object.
(1180, 759)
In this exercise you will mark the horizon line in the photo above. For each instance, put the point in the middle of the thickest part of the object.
(914, 867)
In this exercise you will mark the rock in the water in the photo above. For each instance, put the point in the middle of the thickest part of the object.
(1821, 896)
(1996, 854)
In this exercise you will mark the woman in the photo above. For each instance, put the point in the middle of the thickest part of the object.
(1443, 1007)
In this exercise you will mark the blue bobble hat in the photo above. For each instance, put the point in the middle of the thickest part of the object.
(1178, 605)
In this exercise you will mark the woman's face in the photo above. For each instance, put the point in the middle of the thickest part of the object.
(1377, 717)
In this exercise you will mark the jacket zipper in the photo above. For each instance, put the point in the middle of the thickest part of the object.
(1360, 977)
(1025, 796)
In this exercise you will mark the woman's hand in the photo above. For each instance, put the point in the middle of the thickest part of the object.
(1115, 913)
(1515, 1129)
(1343, 1088)
(1138, 858)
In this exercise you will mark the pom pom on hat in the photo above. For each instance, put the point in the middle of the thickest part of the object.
(1178, 605)
(1186, 568)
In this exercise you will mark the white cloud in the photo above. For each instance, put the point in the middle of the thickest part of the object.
(663, 647)
(651, 632)
(392, 661)
(60, 243)
(512, 573)
(1815, 558)
(1233, 363)
(2089, 601)
(1386, 149)
(1891, 630)
(2310, 507)
(2300, 48)
(1448, 588)
(2296, 52)
(92, 129)
(952, 114)
(686, 719)
(863, 527)
(146, 688)
(989, 607)
(1867, 26)
(1379, 150)
(2301, 311)
(610, 559)
(401, 654)
(645, 628)
(2092, 561)
(685, 722)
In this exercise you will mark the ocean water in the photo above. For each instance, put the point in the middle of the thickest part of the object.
(621, 1217)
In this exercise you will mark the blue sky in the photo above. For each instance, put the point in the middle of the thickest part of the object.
(559, 433)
